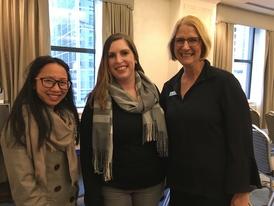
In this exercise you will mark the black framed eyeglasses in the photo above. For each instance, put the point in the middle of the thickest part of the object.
(192, 41)
(50, 83)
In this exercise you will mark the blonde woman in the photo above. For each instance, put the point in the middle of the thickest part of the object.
(211, 160)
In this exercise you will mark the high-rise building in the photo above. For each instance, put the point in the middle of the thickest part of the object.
(72, 24)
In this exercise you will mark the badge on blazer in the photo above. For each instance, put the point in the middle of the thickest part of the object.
(172, 93)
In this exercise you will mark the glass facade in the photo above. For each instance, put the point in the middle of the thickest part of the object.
(72, 25)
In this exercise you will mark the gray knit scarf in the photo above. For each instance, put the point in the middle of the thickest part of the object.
(154, 126)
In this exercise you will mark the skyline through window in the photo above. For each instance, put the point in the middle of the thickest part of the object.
(72, 25)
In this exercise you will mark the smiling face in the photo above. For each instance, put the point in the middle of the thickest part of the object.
(121, 61)
(188, 55)
(51, 96)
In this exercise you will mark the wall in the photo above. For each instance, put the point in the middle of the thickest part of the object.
(151, 33)
(231, 14)
(206, 11)
(153, 23)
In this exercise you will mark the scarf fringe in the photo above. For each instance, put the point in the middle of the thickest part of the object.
(162, 144)
(102, 166)
(149, 132)
(154, 127)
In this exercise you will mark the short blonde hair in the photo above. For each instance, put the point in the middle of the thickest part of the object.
(200, 29)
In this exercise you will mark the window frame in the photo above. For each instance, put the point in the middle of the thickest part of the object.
(248, 61)
(82, 50)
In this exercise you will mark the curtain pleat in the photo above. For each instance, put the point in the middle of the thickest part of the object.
(268, 98)
(129, 3)
(223, 49)
(24, 35)
(116, 18)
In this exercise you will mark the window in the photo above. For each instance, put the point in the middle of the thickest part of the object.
(72, 25)
(243, 46)
(249, 62)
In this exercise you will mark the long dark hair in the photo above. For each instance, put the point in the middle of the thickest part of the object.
(28, 97)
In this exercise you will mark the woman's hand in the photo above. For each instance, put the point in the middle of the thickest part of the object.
(240, 199)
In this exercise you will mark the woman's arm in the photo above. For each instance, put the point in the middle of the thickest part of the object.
(92, 182)
(241, 170)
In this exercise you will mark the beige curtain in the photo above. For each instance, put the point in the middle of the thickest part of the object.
(268, 99)
(223, 49)
(117, 17)
(24, 35)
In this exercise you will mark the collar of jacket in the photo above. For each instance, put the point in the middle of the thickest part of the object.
(207, 73)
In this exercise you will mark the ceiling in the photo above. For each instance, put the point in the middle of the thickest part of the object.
(261, 6)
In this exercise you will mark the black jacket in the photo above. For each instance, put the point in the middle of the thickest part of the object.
(210, 135)
(135, 165)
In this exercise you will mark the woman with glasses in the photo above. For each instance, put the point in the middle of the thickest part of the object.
(211, 160)
(38, 140)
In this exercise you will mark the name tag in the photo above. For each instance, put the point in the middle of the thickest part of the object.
(172, 93)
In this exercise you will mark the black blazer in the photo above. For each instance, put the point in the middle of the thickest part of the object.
(210, 135)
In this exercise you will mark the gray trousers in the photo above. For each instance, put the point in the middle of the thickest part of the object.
(149, 196)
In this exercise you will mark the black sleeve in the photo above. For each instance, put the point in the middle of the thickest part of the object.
(92, 182)
(241, 170)
(163, 97)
